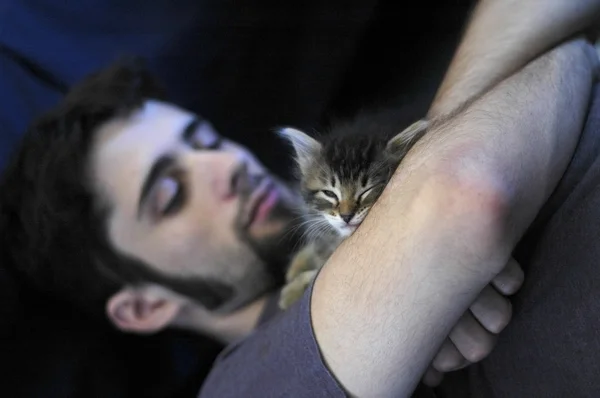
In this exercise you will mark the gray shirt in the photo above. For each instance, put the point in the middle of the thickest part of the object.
(279, 359)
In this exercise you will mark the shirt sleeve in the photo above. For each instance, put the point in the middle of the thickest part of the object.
(279, 359)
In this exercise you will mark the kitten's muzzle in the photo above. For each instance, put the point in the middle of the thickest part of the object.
(347, 217)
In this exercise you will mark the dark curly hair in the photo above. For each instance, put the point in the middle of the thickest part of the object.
(51, 227)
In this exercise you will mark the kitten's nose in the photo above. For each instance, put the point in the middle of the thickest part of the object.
(347, 217)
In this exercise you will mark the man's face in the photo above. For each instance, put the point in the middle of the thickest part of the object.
(188, 203)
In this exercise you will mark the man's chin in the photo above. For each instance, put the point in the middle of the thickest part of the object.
(273, 237)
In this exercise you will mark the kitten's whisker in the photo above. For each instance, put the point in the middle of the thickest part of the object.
(296, 227)
(317, 229)
(310, 226)
(323, 228)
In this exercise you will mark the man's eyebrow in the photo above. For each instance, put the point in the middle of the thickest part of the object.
(158, 169)
(191, 128)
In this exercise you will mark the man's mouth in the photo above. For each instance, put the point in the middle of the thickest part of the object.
(261, 202)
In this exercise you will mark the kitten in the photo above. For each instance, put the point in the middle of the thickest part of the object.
(342, 174)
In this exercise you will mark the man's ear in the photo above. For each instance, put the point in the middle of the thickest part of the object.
(306, 147)
(145, 309)
(399, 145)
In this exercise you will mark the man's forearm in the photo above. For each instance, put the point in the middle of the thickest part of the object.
(502, 37)
(446, 224)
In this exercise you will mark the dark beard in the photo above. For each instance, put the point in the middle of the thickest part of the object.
(209, 292)
(276, 250)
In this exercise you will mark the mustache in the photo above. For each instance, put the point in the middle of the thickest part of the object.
(245, 185)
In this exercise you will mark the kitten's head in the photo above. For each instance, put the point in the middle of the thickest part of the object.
(342, 176)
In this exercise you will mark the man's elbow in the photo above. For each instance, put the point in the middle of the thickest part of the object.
(477, 203)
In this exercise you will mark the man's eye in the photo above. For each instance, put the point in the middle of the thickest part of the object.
(329, 194)
(215, 144)
(210, 144)
(169, 197)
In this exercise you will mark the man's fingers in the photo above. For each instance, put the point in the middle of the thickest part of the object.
(510, 280)
(492, 310)
(448, 358)
(474, 336)
(471, 339)
(432, 377)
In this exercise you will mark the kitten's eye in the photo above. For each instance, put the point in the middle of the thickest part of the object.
(365, 193)
(329, 194)
(169, 196)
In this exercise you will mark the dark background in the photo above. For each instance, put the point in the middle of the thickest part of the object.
(298, 63)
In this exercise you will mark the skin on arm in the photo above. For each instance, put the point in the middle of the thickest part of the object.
(497, 42)
(446, 225)
(500, 40)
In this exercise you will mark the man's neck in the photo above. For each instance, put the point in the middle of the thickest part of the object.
(226, 328)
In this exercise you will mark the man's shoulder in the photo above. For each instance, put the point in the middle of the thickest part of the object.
(280, 358)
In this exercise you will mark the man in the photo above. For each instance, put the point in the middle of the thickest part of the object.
(33, 77)
(153, 220)
(131, 307)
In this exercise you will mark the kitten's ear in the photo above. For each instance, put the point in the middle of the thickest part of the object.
(399, 145)
(306, 147)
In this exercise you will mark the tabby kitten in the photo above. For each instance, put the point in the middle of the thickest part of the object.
(342, 174)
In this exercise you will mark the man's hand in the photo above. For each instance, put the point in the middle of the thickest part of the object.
(474, 336)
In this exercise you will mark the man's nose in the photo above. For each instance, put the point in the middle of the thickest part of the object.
(242, 182)
(226, 173)
(238, 179)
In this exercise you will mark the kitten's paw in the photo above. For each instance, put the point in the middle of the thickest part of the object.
(294, 290)
(417, 127)
(302, 262)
